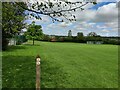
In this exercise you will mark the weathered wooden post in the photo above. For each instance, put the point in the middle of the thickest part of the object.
(38, 72)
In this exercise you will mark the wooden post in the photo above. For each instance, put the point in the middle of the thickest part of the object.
(38, 72)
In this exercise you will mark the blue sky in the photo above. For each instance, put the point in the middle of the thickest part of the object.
(100, 4)
(101, 18)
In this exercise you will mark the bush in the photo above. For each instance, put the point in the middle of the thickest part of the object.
(108, 41)
(21, 39)
(19, 42)
(4, 43)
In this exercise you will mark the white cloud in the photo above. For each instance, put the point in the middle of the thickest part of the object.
(85, 25)
(101, 27)
(106, 31)
(45, 19)
(87, 21)
(106, 13)
(65, 24)
(112, 24)
(107, 0)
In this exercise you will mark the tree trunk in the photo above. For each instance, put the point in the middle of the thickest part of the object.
(33, 41)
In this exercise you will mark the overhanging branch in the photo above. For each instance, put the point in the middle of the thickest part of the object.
(53, 12)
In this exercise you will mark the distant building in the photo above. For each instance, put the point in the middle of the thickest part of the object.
(94, 42)
(12, 41)
(53, 39)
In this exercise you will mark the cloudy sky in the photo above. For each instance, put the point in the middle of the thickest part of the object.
(101, 18)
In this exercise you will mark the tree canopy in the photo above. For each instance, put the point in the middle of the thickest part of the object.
(34, 32)
(69, 33)
(12, 20)
(92, 34)
(80, 34)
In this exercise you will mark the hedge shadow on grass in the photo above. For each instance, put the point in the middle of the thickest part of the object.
(13, 48)
(20, 72)
(31, 45)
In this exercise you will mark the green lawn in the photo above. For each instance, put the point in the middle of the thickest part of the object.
(63, 65)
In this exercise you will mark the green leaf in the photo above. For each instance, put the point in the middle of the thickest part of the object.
(94, 3)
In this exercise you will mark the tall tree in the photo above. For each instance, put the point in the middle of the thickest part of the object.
(69, 33)
(34, 32)
(80, 37)
(12, 20)
(80, 34)
(92, 34)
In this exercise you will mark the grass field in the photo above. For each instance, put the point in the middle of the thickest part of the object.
(63, 65)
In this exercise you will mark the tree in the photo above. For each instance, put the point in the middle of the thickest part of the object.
(69, 33)
(57, 10)
(92, 34)
(34, 32)
(12, 21)
(80, 34)
(80, 37)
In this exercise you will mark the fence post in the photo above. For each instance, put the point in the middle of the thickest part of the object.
(38, 72)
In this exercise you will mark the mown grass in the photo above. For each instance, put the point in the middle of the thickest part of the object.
(63, 65)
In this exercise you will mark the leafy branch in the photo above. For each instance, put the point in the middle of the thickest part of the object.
(54, 10)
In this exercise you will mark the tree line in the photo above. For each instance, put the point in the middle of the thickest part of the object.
(37, 34)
